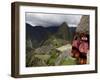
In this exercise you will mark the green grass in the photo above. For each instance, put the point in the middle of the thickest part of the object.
(43, 57)
(53, 57)
(68, 61)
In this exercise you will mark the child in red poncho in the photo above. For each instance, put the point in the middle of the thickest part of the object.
(83, 48)
(80, 48)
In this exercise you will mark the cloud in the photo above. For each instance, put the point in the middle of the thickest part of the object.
(43, 19)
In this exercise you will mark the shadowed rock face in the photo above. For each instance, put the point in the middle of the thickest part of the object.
(83, 26)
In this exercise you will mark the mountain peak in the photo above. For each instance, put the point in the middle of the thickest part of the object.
(64, 23)
(63, 26)
(63, 31)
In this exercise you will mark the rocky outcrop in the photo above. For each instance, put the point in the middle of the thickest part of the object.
(83, 26)
(44, 49)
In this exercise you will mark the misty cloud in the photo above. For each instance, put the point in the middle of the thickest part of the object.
(43, 19)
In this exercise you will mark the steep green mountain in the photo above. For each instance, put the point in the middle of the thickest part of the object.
(37, 35)
(63, 32)
(61, 37)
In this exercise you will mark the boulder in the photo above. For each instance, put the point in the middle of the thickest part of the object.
(83, 26)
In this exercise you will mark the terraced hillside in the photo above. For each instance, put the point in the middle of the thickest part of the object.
(49, 46)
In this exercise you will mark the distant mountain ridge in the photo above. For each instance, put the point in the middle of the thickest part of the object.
(39, 34)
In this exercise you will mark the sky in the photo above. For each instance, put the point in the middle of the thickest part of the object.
(46, 20)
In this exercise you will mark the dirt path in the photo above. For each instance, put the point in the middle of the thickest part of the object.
(65, 52)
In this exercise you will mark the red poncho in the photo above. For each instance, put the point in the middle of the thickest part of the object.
(84, 47)
(76, 43)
